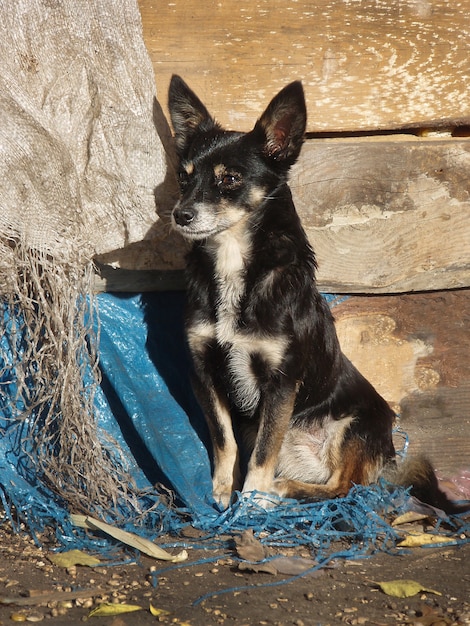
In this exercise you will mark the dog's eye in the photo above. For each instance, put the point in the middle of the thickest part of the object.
(229, 181)
(183, 179)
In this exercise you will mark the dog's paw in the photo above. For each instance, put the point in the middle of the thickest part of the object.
(225, 480)
(261, 489)
(261, 499)
(222, 491)
(222, 498)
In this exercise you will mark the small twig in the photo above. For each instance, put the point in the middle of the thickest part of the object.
(53, 596)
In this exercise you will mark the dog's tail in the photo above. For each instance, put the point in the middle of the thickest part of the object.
(418, 474)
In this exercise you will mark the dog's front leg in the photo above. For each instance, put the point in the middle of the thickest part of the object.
(226, 478)
(226, 475)
(276, 409)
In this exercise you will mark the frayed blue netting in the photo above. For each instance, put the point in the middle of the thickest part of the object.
(145, 403)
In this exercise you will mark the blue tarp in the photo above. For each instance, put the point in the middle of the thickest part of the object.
(146, 404)
(146, 395)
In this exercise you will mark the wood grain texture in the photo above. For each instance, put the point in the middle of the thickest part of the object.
(414, 349)
(386, 216)
(365, 64)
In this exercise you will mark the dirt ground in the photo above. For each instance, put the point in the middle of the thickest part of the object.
(346, 592)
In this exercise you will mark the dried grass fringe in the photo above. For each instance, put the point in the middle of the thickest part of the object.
(49, 374)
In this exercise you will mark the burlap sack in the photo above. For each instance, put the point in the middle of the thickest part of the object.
(83, 169)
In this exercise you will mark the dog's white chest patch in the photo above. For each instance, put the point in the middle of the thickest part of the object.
(232, 252)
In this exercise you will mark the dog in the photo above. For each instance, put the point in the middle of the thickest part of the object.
(287, 412)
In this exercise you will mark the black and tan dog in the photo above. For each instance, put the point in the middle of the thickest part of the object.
(288, 413)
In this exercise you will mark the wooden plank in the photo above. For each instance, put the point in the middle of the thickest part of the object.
(414, 349)
(365, 64)
(384, 216)
(112, 279)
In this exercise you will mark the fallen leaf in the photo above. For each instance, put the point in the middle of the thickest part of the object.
(249, 548)
(113, 609)
(404, 588)
(53, 596)
(189, 532)
(263, 567)
(409, 517)
(158, 612)
(292, 565)
(423, 539)
(130, 539)
(73, 557)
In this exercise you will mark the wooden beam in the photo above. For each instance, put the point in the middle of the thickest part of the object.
(414, 349)
(121, 280)
(384, 215)
(365, 65)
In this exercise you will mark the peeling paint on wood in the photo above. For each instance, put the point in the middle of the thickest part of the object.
(365, 64)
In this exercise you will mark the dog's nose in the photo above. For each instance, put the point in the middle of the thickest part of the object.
(183, 216)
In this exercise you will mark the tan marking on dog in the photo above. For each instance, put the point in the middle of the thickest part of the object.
(189, 167)
(357, 467)
(220, 170)
(261, 477)
(257, 195)
(199, 335)
(226, 478)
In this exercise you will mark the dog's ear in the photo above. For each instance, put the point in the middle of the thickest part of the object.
(188, 114)
(282, 125)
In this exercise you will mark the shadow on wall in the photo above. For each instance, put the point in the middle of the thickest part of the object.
(161, 248)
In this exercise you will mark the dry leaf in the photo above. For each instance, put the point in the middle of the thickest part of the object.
(293, 565)
(130, 539)
(409, 517)
(404, 588)
(113, 609)
(249, 548)
(423, 539)
(158, 612)
(265, 567)
(53, 596)
(73, 557)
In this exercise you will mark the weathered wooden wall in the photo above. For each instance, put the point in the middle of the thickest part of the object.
(384, 214)
(387, 214)
(365, 64)
(415, 350)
